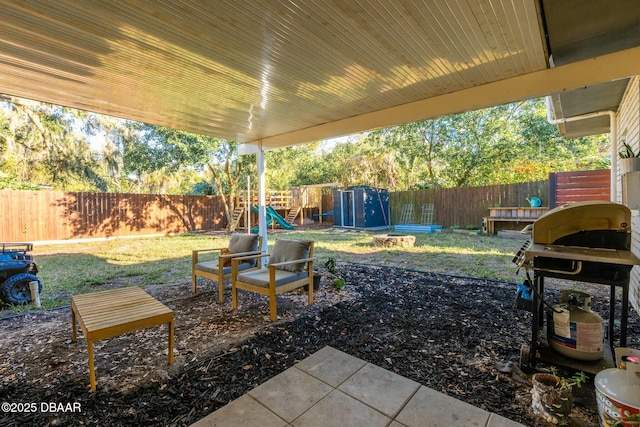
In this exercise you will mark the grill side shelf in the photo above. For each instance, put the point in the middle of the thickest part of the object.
(579, 253)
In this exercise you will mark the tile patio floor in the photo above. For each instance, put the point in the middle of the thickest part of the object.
(332, 388)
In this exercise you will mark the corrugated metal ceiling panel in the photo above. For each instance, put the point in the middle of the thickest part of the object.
(245, 70)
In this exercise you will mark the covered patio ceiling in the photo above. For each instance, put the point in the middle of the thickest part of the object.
(283, 72)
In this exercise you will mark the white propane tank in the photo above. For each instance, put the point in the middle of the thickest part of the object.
(618, 391)
(573, 330)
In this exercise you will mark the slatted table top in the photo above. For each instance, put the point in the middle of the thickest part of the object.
(110, 313)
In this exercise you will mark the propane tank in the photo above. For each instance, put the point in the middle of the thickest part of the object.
(573, 329)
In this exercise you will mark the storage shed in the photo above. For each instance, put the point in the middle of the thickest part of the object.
(361, 207)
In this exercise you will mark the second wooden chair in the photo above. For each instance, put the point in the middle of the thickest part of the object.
(290, 267)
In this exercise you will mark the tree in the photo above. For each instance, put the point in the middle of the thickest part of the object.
(504, 144)
(475, 139)
(355, 163)
(416, 151)
(11, 183)
(292, 166)
(114, 132)
(39, 143)
(154, 157)
(227, 169)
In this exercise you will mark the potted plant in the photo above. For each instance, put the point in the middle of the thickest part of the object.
(629, 161)
(552, 396)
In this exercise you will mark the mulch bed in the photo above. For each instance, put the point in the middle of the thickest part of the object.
(455, 335)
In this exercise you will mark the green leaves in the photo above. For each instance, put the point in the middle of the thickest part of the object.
(331, 265)
(41, 143)
(628, 153)
(11, 183)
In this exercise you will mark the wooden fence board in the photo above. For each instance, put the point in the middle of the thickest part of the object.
(465, 206)
(581, 186)
(55, 215)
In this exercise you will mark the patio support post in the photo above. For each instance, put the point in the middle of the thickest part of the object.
(247, 207)
(262, 210)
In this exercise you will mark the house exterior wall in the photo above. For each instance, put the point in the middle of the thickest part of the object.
(628, 127)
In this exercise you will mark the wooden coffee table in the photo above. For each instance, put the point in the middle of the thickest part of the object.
(107, 314)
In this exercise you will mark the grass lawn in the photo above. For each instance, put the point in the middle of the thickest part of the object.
(68, 269)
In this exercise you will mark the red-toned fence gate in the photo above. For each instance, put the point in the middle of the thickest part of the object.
(578, 186)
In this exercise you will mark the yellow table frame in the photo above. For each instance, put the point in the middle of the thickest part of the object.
(107, 314)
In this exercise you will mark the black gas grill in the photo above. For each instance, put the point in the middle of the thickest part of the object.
(585, 242)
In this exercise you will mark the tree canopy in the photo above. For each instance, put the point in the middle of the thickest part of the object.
(500, 145)
(56, 146)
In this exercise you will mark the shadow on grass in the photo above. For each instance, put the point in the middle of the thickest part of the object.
(77, 268)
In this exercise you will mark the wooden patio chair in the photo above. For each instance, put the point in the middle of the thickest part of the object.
(220, 269)
(290, 267)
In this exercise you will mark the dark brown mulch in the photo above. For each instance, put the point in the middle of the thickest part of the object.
(452, 334)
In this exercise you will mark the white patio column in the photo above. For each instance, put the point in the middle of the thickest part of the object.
(244, 149)
(262, 209)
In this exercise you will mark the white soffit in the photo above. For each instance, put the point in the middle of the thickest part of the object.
(283, 72)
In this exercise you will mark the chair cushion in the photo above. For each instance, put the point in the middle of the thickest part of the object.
(261, 277)
(289, 250)
(212, 267)
(243, 243)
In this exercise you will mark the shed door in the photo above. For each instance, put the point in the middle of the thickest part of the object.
(348, 209)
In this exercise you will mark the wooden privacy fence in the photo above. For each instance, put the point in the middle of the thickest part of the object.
(468, 205)
(55, 215)
(579, 186)
(465, 205)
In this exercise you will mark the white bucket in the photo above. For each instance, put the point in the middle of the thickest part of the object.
(618, 401)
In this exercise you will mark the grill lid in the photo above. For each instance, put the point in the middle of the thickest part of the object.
(596, 218)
